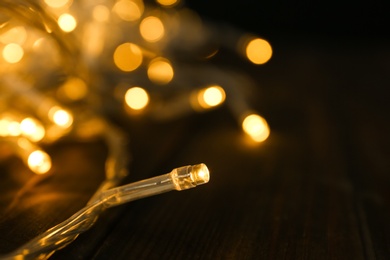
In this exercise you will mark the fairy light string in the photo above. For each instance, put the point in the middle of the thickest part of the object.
(67, 66)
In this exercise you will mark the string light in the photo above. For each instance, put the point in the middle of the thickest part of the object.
(128, 57)
(13, 53)
(71, 56)
(67, 22)
(256, 127)
(152, 29)
(136, 98)
(258, 51)
(160, 71)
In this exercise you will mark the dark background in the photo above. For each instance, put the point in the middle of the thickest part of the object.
(327, 19)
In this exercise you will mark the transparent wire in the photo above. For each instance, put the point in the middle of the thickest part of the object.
(43, 246)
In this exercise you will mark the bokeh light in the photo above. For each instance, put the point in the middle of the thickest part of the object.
(160, 71)
(211, 96)
(67, 22)
(152, 29)
(256, 127)
(136, 98)
(258, 51)
(39, 162)
(60, 117)
(13, 53)
(128, 57)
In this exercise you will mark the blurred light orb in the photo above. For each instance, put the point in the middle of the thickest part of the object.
(128, 57)
(67, 22)
(152, 29)
(256, 127)
(60, 117)
(13, 53)
(128, 10)
(39, 162)
(160, 71)
(211, 96)
(14, 128)
(258, 51)
(32, 129)
(136, 98)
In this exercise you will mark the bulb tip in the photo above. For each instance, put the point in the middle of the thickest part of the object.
(190, 176)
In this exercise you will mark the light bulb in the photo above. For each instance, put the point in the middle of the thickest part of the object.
(136, 98)
(39, 162)
(258, 51)
(13, 53)
(152, 29)
(160, 71)
(256, 127)
(67, 22)
(211, 96)
(128, 57)
(32, 129)
(60, 117)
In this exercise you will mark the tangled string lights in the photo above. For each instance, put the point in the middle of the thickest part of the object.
(66, 65)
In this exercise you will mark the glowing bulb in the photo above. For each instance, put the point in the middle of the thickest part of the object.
(60, 117)
(129, 10)
(127, 57)
(136, 98)
(152, 29)
(167, 2)
(39, 162)
(4, 127)
(256, 127)
(32, 129)
(13, 53)
(211, 96)
(258, 51)
(14, 128)
(58, 3)
(160, 71)
(101, 13)
(67, 22)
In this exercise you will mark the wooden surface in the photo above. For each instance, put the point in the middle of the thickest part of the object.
(318, 188)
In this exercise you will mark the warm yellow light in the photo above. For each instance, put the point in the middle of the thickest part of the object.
(152, 29)
(160, 71)
(74, 89)
(16, 34)
(67, 22)
(258, 51)
(167, 2)
(13, 53)
(39, 162)
(32, 129)
(60, 117)
(256, 127)
(58, 3)
(128, 10)
(136, 98)
(4, 127)
(101, 13)
(14, 128)
(211, 96)
(127, 57)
